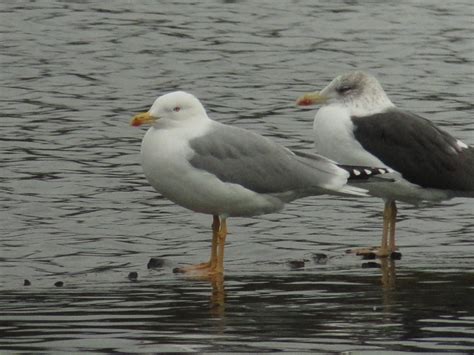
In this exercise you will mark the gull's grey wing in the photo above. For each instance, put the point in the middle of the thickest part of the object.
(242, 157)
(412, 145)
(356, 172)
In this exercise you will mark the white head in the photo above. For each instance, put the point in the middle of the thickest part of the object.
(177, 106)
(360, 92)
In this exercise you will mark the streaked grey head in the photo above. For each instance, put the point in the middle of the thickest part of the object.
(359, 91)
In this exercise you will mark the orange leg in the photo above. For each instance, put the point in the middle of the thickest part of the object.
(222, 234)
(216, 261)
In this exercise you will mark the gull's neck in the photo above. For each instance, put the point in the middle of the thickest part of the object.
(369, 104)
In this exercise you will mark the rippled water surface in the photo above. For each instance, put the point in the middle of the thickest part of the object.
(75, 206)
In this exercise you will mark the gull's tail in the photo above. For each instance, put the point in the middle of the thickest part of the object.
(361, 174)
(340, 179)
(351, 191)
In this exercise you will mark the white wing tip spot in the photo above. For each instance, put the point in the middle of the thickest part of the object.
(367, 171)
(356, 172)
(461, 144)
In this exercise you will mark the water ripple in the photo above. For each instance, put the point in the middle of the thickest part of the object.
(76, 208)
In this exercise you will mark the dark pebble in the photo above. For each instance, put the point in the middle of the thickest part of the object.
(155, 263)
(178, 270)
(296, 264)
(320, 258)
(133, 276)
(371, 265)
(369, 256)
(396, 255)
(59, 284)
(26, 282)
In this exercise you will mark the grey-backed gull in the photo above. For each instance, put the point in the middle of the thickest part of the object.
(225, 171)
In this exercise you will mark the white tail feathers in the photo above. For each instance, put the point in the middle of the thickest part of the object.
(352, 190)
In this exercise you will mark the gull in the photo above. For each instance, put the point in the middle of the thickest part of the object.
(225, 171)
(358, 124)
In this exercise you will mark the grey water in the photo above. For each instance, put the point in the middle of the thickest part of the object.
(76, 208)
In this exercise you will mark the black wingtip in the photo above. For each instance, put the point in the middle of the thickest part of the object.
(364, 172)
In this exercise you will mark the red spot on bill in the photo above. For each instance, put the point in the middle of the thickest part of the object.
(304, 101)
(136, 122)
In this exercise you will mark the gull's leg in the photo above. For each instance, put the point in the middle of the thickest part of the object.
(211, 264)
(383, 250)
(392, 229)
(387, 215)
(216, 226)
(222, 234)
(392, 247)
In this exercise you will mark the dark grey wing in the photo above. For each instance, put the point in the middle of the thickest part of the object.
(412, 145)
(242, 157)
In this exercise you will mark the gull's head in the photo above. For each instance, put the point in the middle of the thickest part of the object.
(176, 106)
(359, 92)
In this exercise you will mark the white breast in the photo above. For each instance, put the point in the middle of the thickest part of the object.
(334, 138)
(165, 152)
(165, 159)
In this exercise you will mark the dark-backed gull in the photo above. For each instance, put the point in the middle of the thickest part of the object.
(359, 125)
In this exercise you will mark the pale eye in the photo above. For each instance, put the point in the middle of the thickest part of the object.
(177, 109)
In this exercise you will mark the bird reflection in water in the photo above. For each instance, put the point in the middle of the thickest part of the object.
(218, 294)
(389, 275)
(387, 268)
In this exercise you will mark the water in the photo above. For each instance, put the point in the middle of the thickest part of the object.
(75, 206)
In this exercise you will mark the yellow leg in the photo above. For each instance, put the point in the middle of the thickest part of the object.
(215, 241)
(389, 216)
(213, 258)
(222, 234)
(216, 261)
(393, 220)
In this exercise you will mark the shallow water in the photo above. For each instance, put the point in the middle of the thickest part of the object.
(76, 208)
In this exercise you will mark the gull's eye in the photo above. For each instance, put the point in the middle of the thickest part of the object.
(344, 89)
(177, 109)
